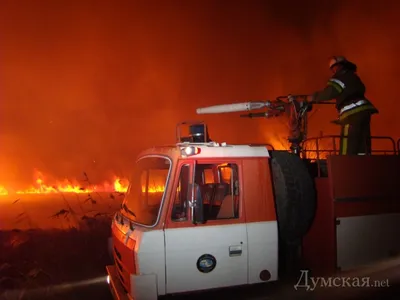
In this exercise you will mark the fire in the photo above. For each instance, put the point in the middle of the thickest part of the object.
(66, 186)
(119, 186)
(60, 187)
(153, 189)
(3, 191)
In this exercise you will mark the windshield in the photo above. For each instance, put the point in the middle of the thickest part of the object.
(143, 200)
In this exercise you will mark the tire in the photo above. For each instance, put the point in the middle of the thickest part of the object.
(295, 196)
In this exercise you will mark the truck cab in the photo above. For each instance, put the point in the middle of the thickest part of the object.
(184, 225)
(202, 215)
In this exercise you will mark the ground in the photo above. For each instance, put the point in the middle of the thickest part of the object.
(60, 259)
(55, 246)
(66, 257)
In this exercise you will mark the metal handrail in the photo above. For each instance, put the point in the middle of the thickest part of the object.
(318, 151)
(335, 150)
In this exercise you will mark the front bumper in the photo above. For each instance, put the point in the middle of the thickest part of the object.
(143, 287)
(116, 288)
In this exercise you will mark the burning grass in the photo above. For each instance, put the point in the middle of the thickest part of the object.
(82, 186)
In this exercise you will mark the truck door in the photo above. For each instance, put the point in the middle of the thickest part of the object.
(212, 254)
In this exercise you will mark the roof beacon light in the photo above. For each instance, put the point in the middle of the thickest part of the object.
(199, 133)
(189, 151)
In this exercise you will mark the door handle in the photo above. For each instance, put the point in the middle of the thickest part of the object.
(235, 250)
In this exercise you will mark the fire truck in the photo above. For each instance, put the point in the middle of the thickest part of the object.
(201, 214)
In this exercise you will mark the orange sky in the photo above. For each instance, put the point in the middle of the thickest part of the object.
(84, 85)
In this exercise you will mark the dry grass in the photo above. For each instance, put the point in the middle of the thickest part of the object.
(36, 257)
(33, 257)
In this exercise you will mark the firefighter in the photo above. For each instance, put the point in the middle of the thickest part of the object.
(354, 110)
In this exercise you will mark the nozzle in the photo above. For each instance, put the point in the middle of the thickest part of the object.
(234, 107)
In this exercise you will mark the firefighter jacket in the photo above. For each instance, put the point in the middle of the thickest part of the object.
(348, 90)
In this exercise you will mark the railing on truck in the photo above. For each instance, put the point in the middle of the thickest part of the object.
(319, 147)
(316, 150)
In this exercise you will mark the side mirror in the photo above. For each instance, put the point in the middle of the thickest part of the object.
(196, 204)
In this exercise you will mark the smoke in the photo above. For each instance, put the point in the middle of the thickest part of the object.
(86, 85)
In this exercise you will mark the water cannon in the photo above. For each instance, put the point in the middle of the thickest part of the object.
(295, 107)
(274, 107)
(234, 107)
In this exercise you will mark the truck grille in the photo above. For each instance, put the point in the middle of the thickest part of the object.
(124, 261)
(122, 272)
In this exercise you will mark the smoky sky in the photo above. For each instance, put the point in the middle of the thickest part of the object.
(86, 85)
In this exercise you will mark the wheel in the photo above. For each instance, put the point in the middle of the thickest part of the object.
(295, 196)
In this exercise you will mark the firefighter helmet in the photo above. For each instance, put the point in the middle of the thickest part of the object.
(335, 60)
(342, 61)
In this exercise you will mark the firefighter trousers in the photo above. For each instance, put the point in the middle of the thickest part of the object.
(355, 136)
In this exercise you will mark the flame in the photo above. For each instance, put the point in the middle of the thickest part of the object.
(153, 189)
(62, 187)
(66, 186)
(40, 186)
(278, 143)
(3, 191)
(119, 186)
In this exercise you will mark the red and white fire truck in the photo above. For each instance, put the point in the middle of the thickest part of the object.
(201, 215)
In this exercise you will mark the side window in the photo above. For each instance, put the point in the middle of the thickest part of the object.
(180, 207)
(219, 190)
(208, 175)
